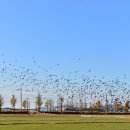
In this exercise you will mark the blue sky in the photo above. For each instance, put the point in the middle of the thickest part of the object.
(77, 34)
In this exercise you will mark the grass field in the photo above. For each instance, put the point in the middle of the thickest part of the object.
(26, 122)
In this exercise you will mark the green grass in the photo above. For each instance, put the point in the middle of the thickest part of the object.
(63, 123)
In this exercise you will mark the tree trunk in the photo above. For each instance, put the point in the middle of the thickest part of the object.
(38, 109)
(50, 109)
(61, 106)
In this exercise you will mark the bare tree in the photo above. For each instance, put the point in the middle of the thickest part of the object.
(25, 104)
(47, 104)
(61, 100)
(1, 102)
(51, 103)
(13, 101)
(39, 102)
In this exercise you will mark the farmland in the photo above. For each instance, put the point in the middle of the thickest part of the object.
(64, 122)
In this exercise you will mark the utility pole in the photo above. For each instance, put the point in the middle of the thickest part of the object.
(106, 105)
(85, 103)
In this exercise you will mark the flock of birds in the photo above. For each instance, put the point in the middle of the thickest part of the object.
(74, 87)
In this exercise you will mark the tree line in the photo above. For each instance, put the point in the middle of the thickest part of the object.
(61, 105)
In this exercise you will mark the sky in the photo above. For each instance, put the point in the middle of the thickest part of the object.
(75, 34)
